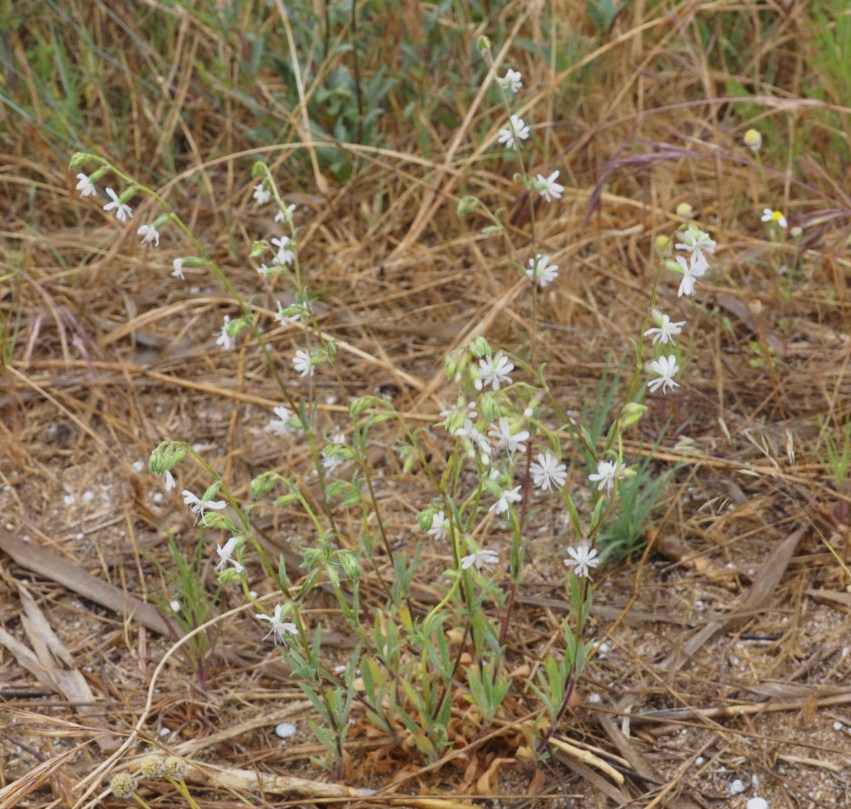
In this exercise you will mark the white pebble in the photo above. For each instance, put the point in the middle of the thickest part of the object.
(68, 499)
(285, 730)
(138, 466)
(757, 803)
(736, 788)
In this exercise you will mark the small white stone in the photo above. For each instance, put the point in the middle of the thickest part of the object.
(138, 466)
(285, 730)
(736, 788)
(165, 731)
(158, 497)
(81, 535)
(594, 699)
(838, 726)
(68, 499)
(757, 803)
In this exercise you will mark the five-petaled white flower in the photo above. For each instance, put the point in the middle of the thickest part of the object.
(494, 371)
(199, 506)
(507, 497)
(303, 363)
(501, 433)
(605, 476)
(481, 559)
(279, 628)
(224, 339)
(769, 215)
(547, 471)
(548, 187)
(85, 186)
(149, 234)
(226, 555)
(541, 271)
(582, 558)
(281, 425)
(695, 268)
(177, 269)
(694, 240)
(469, 431)
(123, 212)
(516, 131)
(284, 255)
(439, 526)
(666, 330)
(511, 81)
(666, 367)
(261, 195)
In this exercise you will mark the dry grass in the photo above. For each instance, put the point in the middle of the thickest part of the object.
(728, 636)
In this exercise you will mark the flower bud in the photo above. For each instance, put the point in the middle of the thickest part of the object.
(685, 211)
(663, 245)
(467, 205)
(632, 413)
(753, 140)
(175, 768)
(152, 767)
(123, 785)
(350, 565)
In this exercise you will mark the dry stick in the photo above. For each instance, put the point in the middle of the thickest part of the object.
(764, 585)
(104, 766)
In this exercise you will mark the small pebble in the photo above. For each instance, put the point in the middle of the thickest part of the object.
(285, 730)
(736, 788)
(757, 803)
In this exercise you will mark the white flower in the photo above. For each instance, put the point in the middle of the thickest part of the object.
(261, 195)
(548, 187)
(494, 371)
(547, 471)
(582, 558)
(149, 234)
(177, 269)
(122, 212)
(280, 216)
(667, 329)
(280, 629)
(694, 240)
(439, 526)
(199, 506)
(511, 81)
(226, 555)
(169, 480)
(224, 339)
(516, 131)
(303, 363)
(481, 559)
(85, 186)
(774, 216)
(468, 430)
(605, 476)
(666, 367)
(541, 271)
(281, 425)
(501, 433)
(694, 269)
(284, 254)
(506, 498)
(331, 462)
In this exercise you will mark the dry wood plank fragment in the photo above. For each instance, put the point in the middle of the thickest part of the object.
(46, 563)
(757, 598)
(52, 664)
